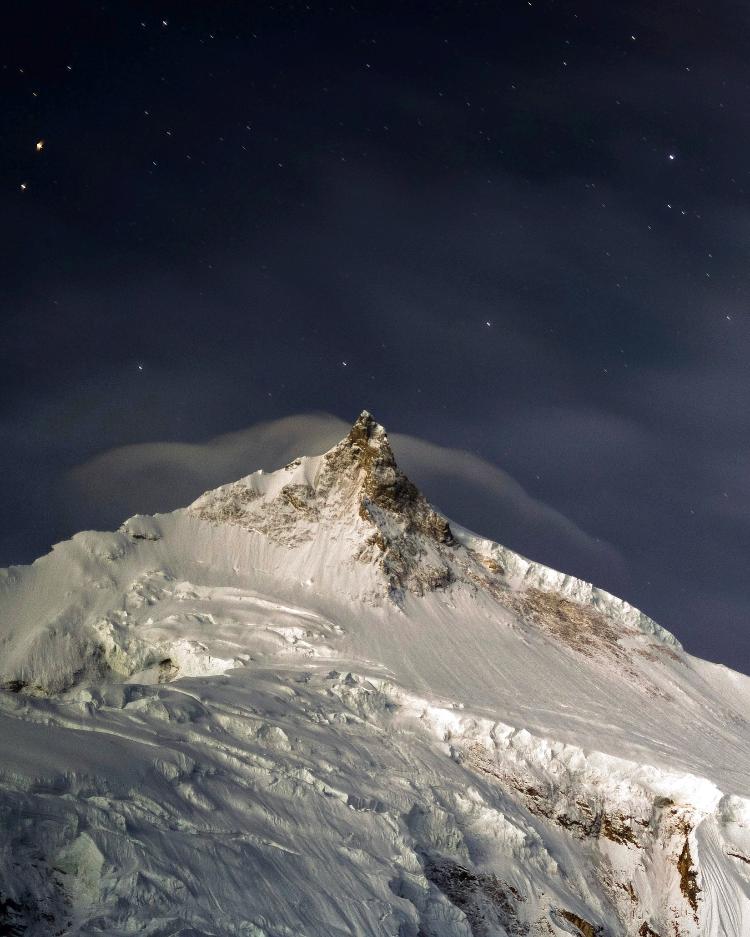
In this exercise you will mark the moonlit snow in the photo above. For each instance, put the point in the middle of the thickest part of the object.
(308, 704)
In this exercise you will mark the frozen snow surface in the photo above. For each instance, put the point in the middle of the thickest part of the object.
(310, 705)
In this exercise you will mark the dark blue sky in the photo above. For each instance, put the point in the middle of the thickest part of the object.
(519, 229)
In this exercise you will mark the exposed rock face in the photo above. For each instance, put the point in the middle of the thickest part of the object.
(688, 877)
(367, 455)
(399, 513)
(584, 927)
(645, 931)
(484, 899)
(358, 481)
(652, 832)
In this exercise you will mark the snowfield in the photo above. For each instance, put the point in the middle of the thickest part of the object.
(308, 704)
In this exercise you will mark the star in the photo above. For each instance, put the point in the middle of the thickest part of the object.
(39, 146)
(671, 156)
(23, 186)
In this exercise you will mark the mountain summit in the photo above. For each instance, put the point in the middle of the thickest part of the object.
(309, 703)
(355, 487)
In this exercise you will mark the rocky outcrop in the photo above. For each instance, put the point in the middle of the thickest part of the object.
(355, 486)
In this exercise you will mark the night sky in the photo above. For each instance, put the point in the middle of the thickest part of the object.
(516, 229)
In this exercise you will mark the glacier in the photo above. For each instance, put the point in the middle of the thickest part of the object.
(310, 704)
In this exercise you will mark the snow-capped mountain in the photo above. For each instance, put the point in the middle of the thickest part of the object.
(309, 704)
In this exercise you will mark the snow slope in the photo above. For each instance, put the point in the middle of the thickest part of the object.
(310, 705)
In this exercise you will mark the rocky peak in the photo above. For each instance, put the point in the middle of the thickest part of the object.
(365, 446)
(409, 538)
(365, 457)
(366, 430)
(356, 481)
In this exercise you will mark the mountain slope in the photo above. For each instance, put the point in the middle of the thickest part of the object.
(310, 704)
